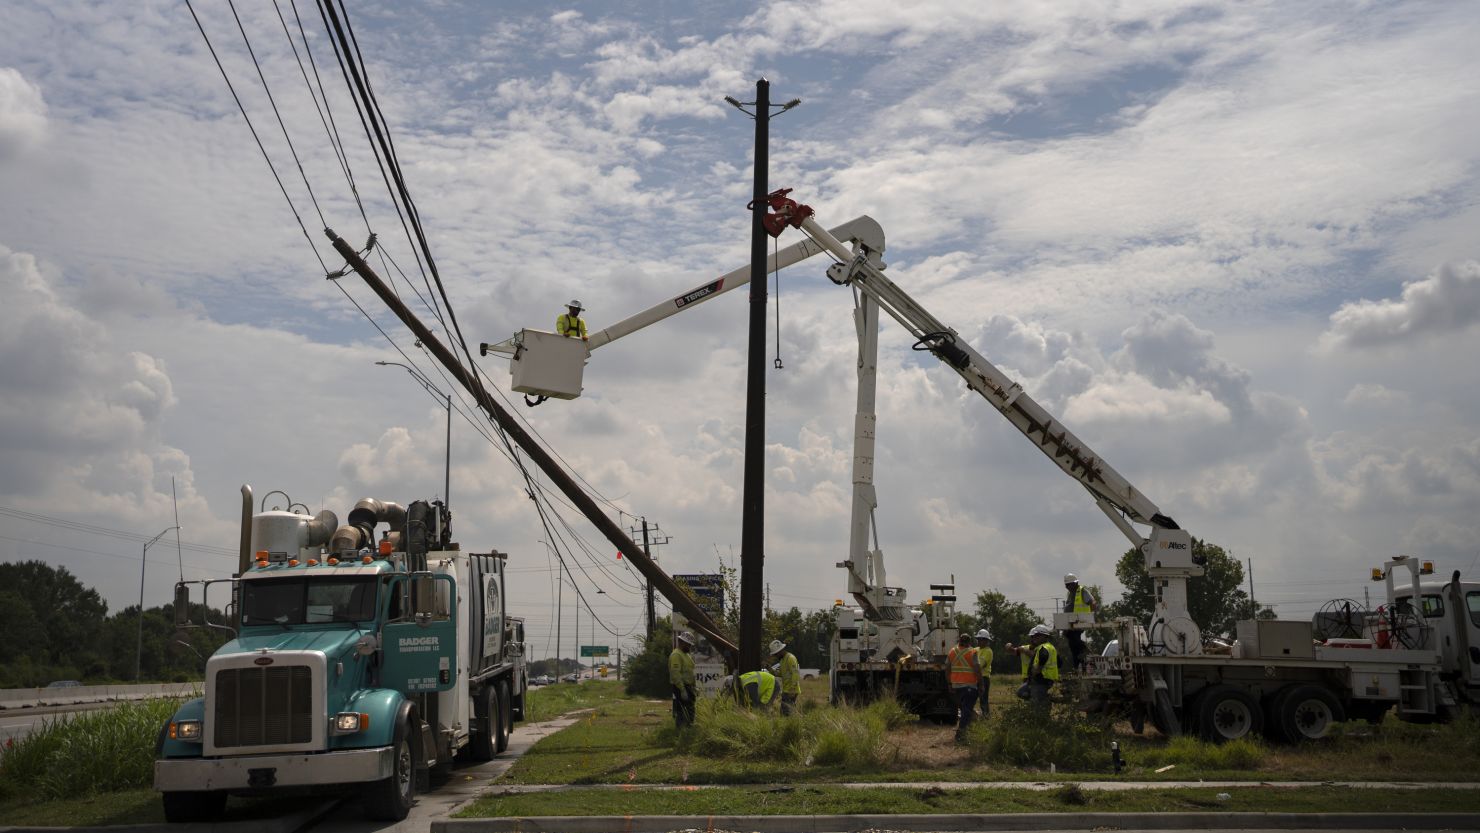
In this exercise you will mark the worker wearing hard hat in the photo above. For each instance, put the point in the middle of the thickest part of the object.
(757, 689)
(571, 324)
(966, 679)
(1079, 600)
(1043, 664)
(790, 672)
(984, 659)
(681, 680)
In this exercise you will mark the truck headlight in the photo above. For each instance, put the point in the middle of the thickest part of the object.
(188, 730)
(347, 723)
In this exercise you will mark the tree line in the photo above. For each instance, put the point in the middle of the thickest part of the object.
(55, 628)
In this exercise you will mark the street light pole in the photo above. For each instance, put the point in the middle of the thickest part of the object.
(438, 394)
(143, 563)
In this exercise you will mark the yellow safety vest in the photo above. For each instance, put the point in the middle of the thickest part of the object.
(1023, 657)
(680, 668)
(791, 674)
(984, 658)
(570, 326)
(765, 681)
(1048, 665)
(962, 674)
(1080, 605)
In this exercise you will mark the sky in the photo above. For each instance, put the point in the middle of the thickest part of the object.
(1232, 246)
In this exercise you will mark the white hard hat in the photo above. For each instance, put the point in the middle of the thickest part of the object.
(1070, 578)
(575, 303)
(686, 638)
(983, 634)
(777, 646)
(1040, 630)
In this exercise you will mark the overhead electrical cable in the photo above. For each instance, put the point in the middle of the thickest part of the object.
(227, 78)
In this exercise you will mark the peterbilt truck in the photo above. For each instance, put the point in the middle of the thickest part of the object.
(361, 664)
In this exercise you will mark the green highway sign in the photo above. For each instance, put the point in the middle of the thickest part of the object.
(595, 651)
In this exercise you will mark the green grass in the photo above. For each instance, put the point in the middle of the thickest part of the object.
(630, 740)
(830, 800)
(86, 753)
(556, 699)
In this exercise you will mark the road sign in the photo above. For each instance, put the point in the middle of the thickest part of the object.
(595, 651)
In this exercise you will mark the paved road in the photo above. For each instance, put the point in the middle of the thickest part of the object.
(467, 783)
(17, 723)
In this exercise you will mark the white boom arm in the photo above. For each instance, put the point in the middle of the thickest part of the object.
(1168, 549)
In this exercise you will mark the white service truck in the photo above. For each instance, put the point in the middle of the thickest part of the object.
(360, 664)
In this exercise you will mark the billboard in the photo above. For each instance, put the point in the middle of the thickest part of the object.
(709, 591)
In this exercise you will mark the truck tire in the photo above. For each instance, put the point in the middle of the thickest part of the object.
(505, 716)
(1225, 713)
(391, 799)
(1306, 712)
(482, 744)
(193, 806)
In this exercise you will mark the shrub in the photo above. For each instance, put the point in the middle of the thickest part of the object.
(1029, 735)
(88, 753)
(845, 736)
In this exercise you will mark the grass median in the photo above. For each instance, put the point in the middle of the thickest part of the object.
(624, 740)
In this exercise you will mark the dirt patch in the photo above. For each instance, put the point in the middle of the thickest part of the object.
(929, 747)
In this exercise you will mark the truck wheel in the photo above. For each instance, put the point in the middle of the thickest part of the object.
(1307, 712)
(193, 806)
(505, 716)
(1227, 713)
(482, 743)
(391, 799)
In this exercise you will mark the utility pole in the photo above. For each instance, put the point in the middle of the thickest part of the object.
(753, 507)
(647, 548)
(1253, 605)
(559, 617)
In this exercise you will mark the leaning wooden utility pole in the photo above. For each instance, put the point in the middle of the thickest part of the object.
(681, 601)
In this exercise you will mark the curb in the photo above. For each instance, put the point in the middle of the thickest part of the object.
(291, 823)
(961, 822)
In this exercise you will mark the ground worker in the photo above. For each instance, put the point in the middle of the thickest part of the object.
(966, 676)
(1079, 601)
(681, 680)
(571, 324)
(790, 672)
(984, 658)
(757, 689)
(1043, 666)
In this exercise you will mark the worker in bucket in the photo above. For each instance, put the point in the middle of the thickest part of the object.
(1079, 601)
(790, 672)
(570, 324)
(984, 659)
(966, 676)
(681, 680)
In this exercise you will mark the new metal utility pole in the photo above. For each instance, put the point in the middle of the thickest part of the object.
(437, 394)
(144, 562)
(753, 508)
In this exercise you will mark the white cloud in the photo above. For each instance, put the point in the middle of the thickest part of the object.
(1445, 301)
(22, 114)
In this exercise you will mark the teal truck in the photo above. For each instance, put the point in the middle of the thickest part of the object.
(366, 657)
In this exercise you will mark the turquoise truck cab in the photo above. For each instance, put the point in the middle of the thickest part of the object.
(359, 664)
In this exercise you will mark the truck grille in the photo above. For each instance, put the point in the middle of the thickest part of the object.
(264, 706)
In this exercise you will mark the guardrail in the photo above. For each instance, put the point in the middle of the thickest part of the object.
(21, 698)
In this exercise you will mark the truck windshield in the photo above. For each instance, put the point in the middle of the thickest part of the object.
(307, 601)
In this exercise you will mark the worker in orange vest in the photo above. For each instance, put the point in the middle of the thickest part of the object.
(966, 675)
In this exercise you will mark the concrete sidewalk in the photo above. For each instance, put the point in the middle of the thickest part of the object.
(966, 822)
(1109, 786)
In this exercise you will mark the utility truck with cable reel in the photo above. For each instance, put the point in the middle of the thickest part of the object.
(361, 664)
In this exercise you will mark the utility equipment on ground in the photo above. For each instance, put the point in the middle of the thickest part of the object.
(360, 664)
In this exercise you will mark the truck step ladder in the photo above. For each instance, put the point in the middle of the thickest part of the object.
(1415, 692)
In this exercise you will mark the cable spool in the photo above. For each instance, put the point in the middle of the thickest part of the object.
(1340, 619)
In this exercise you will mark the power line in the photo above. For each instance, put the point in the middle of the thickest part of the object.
(77, 526)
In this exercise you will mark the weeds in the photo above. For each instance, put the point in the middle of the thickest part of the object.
(1028, 735)
(844, 737)
(88, 753)
(1241, 754)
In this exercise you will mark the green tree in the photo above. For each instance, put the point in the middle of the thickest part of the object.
(71, 616)
(647, 672)
(1008, 621)
(1214, 600)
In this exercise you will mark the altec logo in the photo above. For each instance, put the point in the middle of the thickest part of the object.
(1173, 545)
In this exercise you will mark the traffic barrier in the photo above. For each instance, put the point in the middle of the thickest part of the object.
(19, 698)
